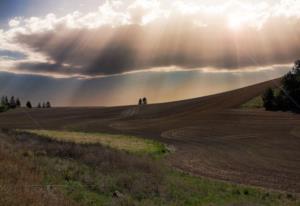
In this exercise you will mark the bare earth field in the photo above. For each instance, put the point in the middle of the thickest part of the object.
(211, 136)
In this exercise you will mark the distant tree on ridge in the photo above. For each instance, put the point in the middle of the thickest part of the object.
(145, 102)
(12, 102)
(18, 103)
(28, 105)
(48, 105)
(140, 101)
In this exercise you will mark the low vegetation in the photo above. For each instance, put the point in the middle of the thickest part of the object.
(130, 144)
(91, 174)
(256, 102)
(21, 182)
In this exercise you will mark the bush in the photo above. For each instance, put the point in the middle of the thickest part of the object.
(269, 99)
(2, 109)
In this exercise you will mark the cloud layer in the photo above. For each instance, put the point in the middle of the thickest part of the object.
(138, 35)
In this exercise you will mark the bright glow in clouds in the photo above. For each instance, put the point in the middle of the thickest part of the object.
(155, 34)
(234, 23)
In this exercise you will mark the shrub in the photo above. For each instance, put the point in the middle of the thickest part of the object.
(269, 99)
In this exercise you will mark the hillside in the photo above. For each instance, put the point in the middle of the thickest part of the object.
(211, 136)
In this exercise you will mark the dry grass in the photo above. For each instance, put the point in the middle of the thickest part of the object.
(87, 173)
(21, 182)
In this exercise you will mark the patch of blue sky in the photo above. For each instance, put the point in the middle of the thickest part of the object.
(11, 55)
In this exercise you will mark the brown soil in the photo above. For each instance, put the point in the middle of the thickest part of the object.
(211, 135)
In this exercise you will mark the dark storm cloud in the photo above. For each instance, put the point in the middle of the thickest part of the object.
(96, 52)
(114, 50)
(42, 68)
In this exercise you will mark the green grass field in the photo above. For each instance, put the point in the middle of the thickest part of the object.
(254, 103)
(120, 142)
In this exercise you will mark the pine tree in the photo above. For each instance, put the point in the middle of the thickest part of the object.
(269, 99)
(28, 105)
(48, 105)
(2, 101)
(12, 102)
(18, 102)
(289, 97)
(6, 101)
(145, 102)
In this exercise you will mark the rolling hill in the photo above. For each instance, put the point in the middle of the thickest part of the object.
(212, 136)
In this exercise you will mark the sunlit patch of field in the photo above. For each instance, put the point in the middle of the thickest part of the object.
(254, 103)
(120, 142)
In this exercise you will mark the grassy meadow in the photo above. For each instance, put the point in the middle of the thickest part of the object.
(254, 103)
(126, 143)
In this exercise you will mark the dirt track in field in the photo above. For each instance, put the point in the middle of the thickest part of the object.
(212, 137)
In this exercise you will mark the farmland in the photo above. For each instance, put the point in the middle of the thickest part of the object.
(210, 137)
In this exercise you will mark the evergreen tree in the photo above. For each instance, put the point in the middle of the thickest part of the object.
(140, 102)
(290, 96)
(28, 105)
(145, 102)
(18, 102)
(2, 101)
(48, 105)
(269, 99)
(2, 106)
(12, 102)
(6, 101)
(39, 105)
(44, 105)
(282, 102)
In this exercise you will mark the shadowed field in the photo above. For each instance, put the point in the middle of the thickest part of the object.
(211, 136)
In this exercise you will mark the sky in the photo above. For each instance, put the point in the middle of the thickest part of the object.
(112, 52)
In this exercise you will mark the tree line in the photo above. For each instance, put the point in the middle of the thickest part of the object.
(288, 97)
(13, 103)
